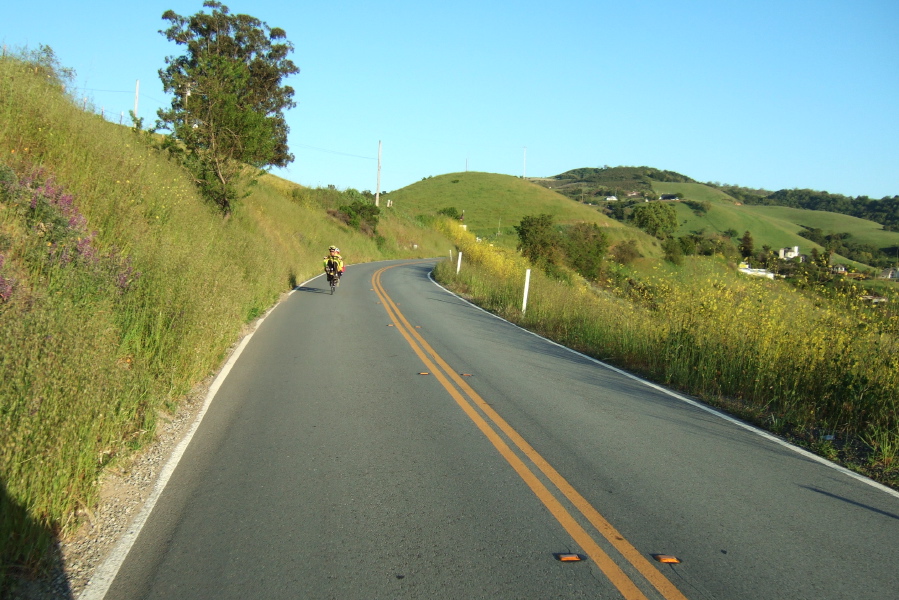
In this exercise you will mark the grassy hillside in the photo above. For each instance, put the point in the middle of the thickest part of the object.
(775, 226)
(496, 203)
(120, 289)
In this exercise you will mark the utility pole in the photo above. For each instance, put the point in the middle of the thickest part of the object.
(136, 96)
(378, 189)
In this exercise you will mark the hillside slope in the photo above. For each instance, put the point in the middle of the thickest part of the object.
(494, 204)
(775, 226)
(715, 210)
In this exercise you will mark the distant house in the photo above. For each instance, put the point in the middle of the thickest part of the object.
(889, 274)
(611, 198)
(788, 253)
(838, 269)
(632, 194)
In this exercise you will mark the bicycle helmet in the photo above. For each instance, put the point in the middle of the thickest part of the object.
(332, 249)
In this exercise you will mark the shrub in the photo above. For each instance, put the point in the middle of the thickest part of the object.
(450, 211)
(625, 252)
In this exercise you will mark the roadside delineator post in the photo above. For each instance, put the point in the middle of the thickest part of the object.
(459, 263)
(527, 285)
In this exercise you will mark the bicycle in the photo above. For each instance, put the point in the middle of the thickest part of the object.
(333, 279)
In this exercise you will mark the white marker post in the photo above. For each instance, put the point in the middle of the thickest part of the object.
(459, 263)
(527, 285)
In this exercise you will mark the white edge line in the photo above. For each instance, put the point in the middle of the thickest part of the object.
(105, 574)
(699, 405)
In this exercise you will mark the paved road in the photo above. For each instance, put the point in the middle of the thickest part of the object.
(329, 467)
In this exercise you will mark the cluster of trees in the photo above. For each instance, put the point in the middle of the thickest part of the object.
(659, 219)
(226, 121)
(588, 184)
(581, 247)
(701, 243)
(363, 216)
(842, 244)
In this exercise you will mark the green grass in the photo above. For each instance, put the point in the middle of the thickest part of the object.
(862, 230)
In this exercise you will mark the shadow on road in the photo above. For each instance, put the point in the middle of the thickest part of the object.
(24, 574)
(853, 502)
(312, 290)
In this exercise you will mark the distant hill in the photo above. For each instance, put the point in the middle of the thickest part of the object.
(884, 211)
(862, 230)
(587, 184)
(494, 204)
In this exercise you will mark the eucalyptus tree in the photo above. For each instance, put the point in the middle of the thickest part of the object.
(227, 113)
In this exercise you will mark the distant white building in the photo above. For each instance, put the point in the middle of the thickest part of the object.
(788, 253)
(889, 274)
(744, 268)
(611, 198)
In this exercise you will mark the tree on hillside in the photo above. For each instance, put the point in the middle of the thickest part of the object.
(746, 245)
(538, 239)
(586, 246)
(227, 110)
(655, 218)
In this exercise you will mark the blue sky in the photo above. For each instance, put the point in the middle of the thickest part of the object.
(771, 94)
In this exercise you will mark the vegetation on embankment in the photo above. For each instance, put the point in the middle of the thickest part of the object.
(120, 289)
(822, 371)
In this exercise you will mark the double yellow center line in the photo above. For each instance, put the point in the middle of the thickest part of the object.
(483, 415)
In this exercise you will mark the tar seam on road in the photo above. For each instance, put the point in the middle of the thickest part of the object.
(613, 572)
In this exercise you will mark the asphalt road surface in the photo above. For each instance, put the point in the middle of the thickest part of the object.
(393, 441)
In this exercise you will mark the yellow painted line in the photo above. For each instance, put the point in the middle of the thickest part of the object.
(614, 573)
(640, 562)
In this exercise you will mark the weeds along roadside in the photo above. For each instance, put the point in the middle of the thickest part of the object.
(119, 291)
(822, 374)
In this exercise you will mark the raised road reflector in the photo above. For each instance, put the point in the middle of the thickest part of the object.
(425, 373)
(465, 374)
(666, 558)
(567, 557)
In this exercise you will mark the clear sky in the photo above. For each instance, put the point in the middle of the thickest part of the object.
(772, 94)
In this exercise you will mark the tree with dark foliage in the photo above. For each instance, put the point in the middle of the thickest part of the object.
(746, 245)
(227, 110)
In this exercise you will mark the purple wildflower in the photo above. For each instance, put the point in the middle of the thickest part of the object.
(7, 284)
(86, 248)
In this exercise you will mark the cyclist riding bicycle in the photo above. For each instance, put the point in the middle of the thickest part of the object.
(333, 264)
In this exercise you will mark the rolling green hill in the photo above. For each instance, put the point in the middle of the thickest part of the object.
(775, 226)
(494, 204)
(712, 210)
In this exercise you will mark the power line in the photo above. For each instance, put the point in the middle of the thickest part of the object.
(334, 152)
